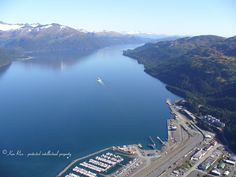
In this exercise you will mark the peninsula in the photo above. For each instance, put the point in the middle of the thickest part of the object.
(201, 69)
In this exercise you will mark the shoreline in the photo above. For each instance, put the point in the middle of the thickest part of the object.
(155, 153)
(184, 140)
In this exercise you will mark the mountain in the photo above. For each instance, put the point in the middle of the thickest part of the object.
(4, 58)
(23, 40)
(201, 69)
(26, 40)
(157, 37)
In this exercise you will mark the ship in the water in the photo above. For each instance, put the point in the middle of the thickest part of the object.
(99, 80)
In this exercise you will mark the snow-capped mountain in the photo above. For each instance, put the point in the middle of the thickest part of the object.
(31, 30)
(29, 27)
(8, 27)
(33, 39)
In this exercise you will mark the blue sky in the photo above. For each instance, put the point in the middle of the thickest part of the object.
(181, 17)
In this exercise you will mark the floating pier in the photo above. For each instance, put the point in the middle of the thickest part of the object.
(153, 144)
(162, 142)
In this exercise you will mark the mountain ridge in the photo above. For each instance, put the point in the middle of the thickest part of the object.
(25, 40)
(201, 69)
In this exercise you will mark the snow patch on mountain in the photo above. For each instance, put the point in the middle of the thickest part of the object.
(29, 27)
(34, 25)
(46, 26)
(8, 27)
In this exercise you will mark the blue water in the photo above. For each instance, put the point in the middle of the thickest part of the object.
(56, 104)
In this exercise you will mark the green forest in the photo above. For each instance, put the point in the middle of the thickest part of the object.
(201, 69)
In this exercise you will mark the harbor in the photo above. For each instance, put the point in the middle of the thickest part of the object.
(102, 163)
(136, 161)
(123, 160)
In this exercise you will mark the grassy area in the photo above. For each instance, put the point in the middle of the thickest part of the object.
(185, 166)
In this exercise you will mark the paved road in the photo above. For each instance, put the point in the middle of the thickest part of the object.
(178, 154)
(162, 165)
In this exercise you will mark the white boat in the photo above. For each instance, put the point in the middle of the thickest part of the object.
(99, 80)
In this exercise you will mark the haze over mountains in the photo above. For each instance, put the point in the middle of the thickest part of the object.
(24, 40)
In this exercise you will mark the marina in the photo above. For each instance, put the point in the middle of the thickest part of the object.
(104, 162)
(119, 160)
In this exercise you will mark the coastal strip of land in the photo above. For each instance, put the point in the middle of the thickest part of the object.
(186, 150)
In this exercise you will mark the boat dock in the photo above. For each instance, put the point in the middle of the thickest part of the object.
(153, 144)
(82, 158)
(100, 163)
(162, 142)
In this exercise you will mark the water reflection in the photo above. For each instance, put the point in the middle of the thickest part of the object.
(56, 62)
(3, 70)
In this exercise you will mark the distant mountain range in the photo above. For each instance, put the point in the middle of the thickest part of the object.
(23, 40)
(201, 69)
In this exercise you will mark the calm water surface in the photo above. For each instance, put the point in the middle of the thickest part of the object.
(55, 103)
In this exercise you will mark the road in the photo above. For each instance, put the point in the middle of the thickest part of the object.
(176, 155)
(162, 164)
(165, 164)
